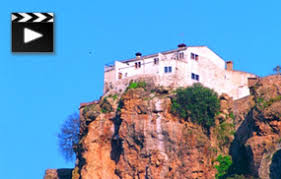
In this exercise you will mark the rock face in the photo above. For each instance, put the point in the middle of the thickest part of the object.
(142, 139)
(58, 174)
(135, 136)
(155, 145)
(258, 132)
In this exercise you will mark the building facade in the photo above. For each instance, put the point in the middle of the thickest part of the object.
(179, 68)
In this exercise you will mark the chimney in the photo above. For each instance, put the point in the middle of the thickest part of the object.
(229, 65)
(138, 55)
(182, 45)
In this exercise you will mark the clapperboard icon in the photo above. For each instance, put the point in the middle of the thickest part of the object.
(32, 32)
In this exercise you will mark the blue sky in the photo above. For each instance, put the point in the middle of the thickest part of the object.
(38, 92)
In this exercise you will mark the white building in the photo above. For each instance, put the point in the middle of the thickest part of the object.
(179, 68)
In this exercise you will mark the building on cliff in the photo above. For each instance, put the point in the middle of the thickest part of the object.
(180, 67)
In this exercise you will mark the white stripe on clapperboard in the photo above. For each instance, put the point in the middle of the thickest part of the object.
(51, 14)
(40, 16)
(13, 17)
(26, 17)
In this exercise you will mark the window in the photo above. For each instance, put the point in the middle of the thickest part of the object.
(181, 55)
(119, 75)
(194, 76)
(156, 61)
(137, 64)
(168, 69)
(194, 56)
(197, 77)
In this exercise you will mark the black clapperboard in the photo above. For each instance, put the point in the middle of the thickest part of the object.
(32, 32)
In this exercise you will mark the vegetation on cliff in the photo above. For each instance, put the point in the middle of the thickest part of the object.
(105, 106)
(134, 85)
(198, 103)
(223, 166)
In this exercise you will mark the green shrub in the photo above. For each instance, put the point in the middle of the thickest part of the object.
(85, 110)
(218, 113)
(134, 85)
(224, 163)
(198, 103)
(264, 104)
(271, 101)
(224, 133)
(260, 100)
(106, 106)
(120, 105)
(115, 97)
(231, 115)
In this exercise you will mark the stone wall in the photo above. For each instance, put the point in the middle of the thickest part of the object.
(121, 85)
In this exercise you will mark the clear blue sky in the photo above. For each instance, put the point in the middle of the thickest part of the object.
(38, 92)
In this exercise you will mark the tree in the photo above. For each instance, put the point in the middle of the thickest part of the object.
(277, 69)
(198, 103)
(69, 136)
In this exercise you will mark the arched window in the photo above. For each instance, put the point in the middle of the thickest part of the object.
(137, 64)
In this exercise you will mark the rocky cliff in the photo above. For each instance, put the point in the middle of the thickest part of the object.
(134, 135)
(140, 138)
(258, 130)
